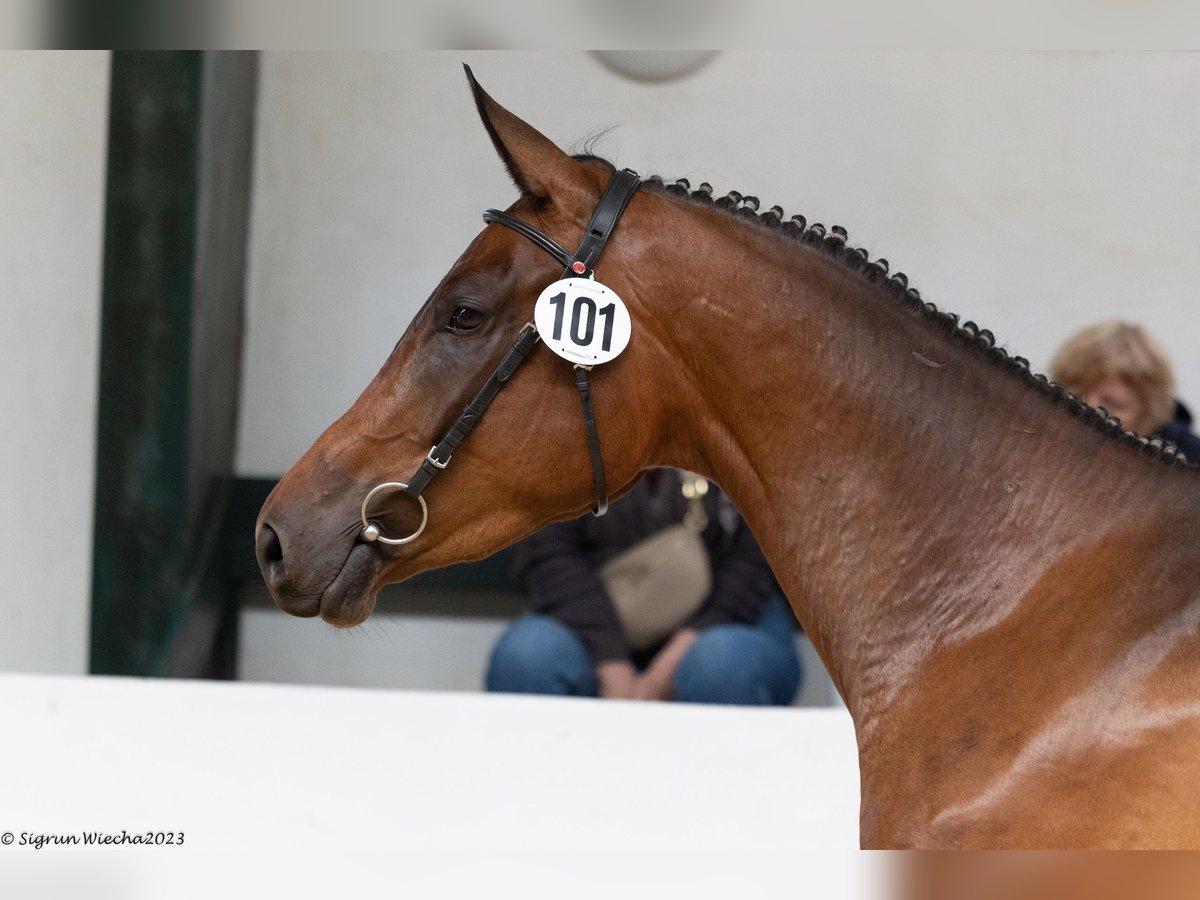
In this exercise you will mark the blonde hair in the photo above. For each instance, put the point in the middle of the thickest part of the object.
(1125, 351)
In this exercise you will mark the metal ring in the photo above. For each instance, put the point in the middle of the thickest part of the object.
(372, 533)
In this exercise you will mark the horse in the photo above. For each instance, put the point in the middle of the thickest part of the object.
(1003, 583)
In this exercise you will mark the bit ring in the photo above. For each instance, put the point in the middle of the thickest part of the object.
(371, 532)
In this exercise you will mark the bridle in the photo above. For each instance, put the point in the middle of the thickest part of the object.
(580, 264)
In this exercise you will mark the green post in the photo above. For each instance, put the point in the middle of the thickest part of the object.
(180, 134)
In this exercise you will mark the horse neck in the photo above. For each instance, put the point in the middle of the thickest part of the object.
(907, 491)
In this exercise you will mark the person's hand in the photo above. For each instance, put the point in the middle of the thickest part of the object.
(618, 679)
(652, 685)
(658, 681)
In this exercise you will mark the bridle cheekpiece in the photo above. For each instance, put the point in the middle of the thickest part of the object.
(581, 263)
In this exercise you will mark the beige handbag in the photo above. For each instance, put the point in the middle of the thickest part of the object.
(657, 584)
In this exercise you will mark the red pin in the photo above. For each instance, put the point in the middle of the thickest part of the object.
(578, 268)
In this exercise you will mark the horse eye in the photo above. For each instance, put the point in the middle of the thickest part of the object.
(465, 318)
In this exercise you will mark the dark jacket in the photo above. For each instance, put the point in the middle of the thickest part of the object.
(1179, 431)
(556, 568)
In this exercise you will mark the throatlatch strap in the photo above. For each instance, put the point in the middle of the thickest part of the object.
(595, 236)
(593, 439)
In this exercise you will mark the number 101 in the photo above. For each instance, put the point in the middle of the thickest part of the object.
(583, 320)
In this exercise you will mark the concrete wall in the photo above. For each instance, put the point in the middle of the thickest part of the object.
(1031, 192)
(54, 107)
(454, 795)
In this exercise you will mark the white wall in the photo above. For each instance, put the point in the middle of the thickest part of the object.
(54, 115)
(457, 795)
(1034, 193)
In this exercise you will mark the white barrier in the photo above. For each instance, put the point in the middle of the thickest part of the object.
(598, 793)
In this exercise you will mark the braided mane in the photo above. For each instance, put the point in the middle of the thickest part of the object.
(833, 242)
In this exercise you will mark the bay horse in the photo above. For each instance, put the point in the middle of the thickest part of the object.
(1004, 585)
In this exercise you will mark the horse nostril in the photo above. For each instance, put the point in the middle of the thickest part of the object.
(270, 550)
(268, 547)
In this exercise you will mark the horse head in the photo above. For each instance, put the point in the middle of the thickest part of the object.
(525, 465)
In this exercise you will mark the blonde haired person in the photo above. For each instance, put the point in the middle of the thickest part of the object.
(1121, 367)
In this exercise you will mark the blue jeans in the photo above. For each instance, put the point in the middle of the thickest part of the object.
(753, 665)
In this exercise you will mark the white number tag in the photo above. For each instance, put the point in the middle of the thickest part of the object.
(582, 321)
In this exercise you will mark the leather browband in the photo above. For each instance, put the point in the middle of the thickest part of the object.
(581, 264)
(599, 227)
(547, 243)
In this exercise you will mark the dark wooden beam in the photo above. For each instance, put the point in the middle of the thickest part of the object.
(176, 219)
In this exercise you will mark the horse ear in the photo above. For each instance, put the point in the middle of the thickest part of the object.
(532, 159)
